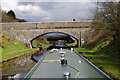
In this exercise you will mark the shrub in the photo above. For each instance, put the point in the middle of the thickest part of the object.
(3, 44)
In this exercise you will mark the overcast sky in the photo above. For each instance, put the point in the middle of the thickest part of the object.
(40, 11)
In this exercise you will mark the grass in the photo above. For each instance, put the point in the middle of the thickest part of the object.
(84, 50)
(8, 56)
(104, 57)
(18, 46)
(44, 44)
(13, 47)
(9, 44)
(72, 44)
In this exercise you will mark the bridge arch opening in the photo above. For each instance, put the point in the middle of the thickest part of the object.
(52, 36)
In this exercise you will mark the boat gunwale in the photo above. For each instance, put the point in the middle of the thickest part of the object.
(96, 68)
(29, 74)
(86, 60)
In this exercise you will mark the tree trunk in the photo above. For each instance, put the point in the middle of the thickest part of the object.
(118, 50)
(114, 38)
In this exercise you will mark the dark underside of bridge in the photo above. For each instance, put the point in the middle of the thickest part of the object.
(55, 38)
(63, 38)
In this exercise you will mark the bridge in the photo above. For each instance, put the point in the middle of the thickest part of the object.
(26, 31)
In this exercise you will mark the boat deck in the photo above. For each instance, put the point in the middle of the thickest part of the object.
(51, 67)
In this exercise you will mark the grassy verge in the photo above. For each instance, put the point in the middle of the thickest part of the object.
(84, 50)
(17, 54)
(9, 44)
(14, 50)
(13, 47)
(104, 57)
(44, 44)
(72, 44)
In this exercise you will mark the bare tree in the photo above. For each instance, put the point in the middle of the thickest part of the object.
(107, 17)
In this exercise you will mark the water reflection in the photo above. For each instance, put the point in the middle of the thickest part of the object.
(18, 76)
(19, 67)
(36, 56)
(22, 62)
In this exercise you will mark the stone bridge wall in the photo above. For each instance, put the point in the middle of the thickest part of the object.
(25, 32)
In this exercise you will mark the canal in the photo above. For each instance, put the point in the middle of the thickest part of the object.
(47, 64)
(19, 67)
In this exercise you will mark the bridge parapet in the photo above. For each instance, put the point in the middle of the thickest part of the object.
(45, 25)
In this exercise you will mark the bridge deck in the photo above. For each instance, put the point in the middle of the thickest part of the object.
(55, 69)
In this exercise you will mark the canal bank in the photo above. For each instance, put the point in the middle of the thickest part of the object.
(50, 67)
(19, 67)
(104, 56)
(18, 54)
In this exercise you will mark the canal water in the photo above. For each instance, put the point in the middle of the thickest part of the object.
(19, 67)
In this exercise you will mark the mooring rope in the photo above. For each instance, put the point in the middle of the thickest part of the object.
(46, 61)
(75, 69)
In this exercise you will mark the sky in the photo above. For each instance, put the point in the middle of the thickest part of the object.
(51, 10)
